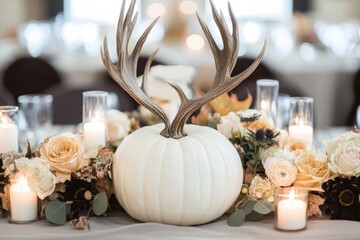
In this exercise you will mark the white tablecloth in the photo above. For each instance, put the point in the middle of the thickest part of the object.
(123, 227)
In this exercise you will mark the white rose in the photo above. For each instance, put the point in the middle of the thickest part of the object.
(280, 171)
(344, 154)
(118, 124)
(276, 152)
(39, 177)
(230, 124)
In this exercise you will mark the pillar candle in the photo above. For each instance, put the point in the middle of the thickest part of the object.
(8, 137)
(94, 135)
(302, 132)
(23, 202)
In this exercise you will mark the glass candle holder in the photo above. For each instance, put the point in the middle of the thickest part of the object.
(290, 209)
(267, 91)
(9, 133)
(301, 119)
(94, 119)
(37, 115)
(23, 202)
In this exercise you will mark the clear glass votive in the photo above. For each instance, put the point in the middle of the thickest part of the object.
(301, 119)
(267, 91)
(94, 119)
(23, 202)
(283, 111)
(37, 116)
(290, 209)
(9, 133)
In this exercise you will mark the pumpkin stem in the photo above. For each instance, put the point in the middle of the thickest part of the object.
(124, 72)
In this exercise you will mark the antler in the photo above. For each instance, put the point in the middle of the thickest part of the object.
(124, 72)
(225, 59)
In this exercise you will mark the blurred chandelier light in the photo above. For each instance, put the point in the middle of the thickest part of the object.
(156, 9)
(188, 7)
(35, 36)
(195, 42)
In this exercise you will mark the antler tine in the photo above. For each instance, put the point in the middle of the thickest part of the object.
(124, 72)
(225, 60)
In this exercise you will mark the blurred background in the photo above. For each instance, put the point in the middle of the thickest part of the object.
(313, 46)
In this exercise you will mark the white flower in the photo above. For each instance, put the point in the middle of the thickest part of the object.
(249, 113)
(39, 177)
(280, 171)
(118, 124)
(275, 152)
(230, 124)
(262, 189)
(344, 154)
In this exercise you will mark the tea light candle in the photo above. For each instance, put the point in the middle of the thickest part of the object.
(8, 137)
(291, 212)
(94, 135)
(302, 132)
(23, 202)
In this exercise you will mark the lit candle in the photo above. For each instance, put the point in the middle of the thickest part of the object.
(291, 213)
(94, 135)
(302, 132)
(23, 202)
(8, 136)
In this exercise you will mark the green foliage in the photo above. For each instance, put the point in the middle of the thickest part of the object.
(251, 210)
(237, 218)
(56, 211)
(100, 203)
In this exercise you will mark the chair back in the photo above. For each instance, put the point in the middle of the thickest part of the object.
(29, 75)
(6, 98)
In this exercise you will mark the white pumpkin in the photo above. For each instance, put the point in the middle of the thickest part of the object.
(186, 181)
(176, 173)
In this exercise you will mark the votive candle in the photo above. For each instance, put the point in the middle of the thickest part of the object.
(94, 119)
(290, 209)
(23, 202)
(9, 134)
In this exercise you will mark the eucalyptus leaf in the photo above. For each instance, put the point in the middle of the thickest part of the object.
(263, 207)
(100, 203)
(248, 207)
(254, 216)
(237, 218)
(55, 212)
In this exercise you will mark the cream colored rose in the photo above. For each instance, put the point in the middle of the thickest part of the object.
(230, 124)
(280, 171)
(64, 154)
(262, 189)
(118, 124)
(39, 177)
(312, 172)
(344, 154)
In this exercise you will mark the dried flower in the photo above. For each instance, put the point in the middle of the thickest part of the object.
(80, 223)
(314, 202)
(262, 189)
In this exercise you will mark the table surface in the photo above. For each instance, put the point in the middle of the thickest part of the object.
(121, 226)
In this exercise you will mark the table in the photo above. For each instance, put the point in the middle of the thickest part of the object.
(122, 226)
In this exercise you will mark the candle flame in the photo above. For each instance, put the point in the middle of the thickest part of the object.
(263, 105)
(22, 182)
(292, 195)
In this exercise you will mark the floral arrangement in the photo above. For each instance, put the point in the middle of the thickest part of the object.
(272, 159)
(70, 183)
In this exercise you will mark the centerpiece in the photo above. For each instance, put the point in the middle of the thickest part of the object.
(176, 173)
